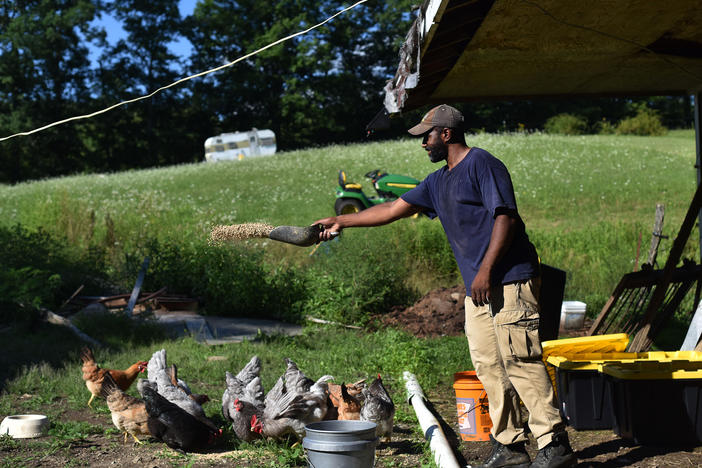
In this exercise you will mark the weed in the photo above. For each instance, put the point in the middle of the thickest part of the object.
(7, 443)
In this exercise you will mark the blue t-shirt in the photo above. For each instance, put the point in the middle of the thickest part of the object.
(465, 199)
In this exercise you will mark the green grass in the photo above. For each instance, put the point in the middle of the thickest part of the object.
(588, 202)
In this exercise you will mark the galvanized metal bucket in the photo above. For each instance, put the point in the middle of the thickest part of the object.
(340, 444)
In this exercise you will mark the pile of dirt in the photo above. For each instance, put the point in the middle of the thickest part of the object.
(441, 312)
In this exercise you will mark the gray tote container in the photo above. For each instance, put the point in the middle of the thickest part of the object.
(340, 444)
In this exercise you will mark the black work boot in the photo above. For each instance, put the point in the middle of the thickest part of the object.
(512, 455)
(557, 454)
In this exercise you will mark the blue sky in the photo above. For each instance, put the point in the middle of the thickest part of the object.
(180, 47)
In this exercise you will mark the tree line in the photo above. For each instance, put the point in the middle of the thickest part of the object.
(319, 88)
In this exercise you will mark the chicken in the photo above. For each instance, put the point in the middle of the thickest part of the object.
(379, 408)
(128, 413)
(199, 398)
(289, 408)
(347, 406)
(171, 424)
(94, 375)
(243, 398)
(164, 377)
(157, 369)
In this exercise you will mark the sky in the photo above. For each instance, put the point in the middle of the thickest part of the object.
(180, 47)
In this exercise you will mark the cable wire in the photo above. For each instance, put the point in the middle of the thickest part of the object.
(182, 80)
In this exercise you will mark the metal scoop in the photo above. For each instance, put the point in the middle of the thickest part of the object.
(301, 236)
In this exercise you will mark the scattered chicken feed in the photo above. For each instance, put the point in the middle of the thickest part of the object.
(240, 231)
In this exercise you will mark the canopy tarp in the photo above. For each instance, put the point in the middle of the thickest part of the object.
(463, 50)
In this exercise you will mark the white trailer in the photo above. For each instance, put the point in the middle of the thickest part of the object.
(239, 145)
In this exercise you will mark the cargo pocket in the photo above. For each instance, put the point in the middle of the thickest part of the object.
(524, 341)
(518, 334)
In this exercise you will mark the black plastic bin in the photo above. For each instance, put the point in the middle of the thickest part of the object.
(584, 399)
(580, 388)
(656, 403)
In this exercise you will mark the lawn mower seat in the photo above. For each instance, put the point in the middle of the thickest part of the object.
(347, 185)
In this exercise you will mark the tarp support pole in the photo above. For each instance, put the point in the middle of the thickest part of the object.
(698, 164)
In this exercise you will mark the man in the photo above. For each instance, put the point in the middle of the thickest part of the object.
(474, 199)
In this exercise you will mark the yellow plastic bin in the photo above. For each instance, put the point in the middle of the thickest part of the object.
(583, 395)
(579, 387)
(587, 344)
(657, 402)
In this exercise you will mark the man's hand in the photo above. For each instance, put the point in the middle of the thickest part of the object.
(480, 288)
(332, 228)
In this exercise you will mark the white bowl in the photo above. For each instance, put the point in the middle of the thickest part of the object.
(25, 426)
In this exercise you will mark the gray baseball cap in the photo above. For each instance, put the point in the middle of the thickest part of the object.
(442, 115)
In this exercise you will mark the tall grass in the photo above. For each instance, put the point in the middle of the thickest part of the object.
(586, 201)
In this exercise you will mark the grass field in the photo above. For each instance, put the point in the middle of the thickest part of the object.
(587, 202)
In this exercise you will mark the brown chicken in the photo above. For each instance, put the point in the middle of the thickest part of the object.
(348, 407)
(199, 398)
(94, 375)
(128, 413)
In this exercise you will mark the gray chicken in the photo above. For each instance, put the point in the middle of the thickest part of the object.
(378, 408)
(291, 404)
(164, 377)
(157, 369)
(243, 398)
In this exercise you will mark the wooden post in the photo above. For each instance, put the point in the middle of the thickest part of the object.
(657, 235)
(137, 288)
(698, 148)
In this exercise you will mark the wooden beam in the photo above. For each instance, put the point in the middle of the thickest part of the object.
(643, 339)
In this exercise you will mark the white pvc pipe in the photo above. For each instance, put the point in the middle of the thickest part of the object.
(443, 455)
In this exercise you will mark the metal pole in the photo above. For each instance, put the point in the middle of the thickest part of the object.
(698, 147)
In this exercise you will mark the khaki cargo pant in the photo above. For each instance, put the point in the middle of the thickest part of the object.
(503, 339)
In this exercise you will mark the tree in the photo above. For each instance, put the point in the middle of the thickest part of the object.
(44, 76)
(318, 88)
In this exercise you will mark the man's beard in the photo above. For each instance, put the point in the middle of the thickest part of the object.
(438, 153)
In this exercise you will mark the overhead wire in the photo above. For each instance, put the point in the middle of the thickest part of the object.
(182, 80)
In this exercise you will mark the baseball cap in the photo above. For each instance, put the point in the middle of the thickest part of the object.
(442, 115)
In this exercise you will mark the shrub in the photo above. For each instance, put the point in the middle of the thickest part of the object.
(42, 269)
(230, 280)
(645, 122)
(605, 127)
(349, 281)
(566, 124)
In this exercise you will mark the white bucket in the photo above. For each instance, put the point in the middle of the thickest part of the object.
(572, 314)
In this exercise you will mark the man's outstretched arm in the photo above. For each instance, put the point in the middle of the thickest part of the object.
(377, 215)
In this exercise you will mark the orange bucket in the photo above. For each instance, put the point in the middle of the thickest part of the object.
(474, 420)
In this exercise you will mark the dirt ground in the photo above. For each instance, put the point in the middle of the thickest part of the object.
(594, 448)
(104, 447)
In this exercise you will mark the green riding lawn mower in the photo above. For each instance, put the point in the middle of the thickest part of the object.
(351, 199)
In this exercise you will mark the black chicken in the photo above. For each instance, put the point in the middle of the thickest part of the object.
(174, 426)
